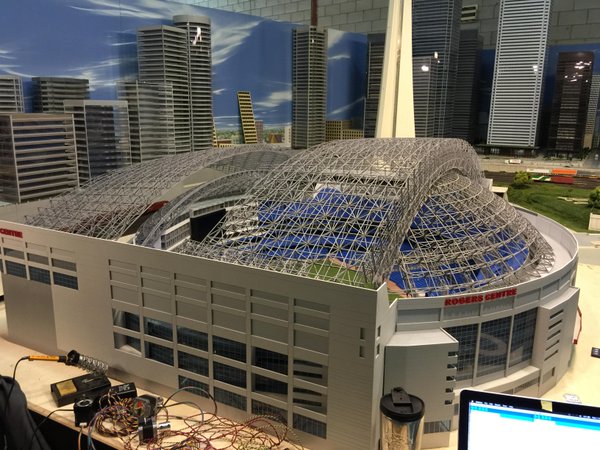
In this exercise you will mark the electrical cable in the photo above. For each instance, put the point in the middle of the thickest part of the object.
(13, 383)
(79, 437)
(39, 425)
(201, 430)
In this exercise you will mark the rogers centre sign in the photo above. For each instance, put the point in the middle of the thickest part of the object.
(13, 233)
(480, 298)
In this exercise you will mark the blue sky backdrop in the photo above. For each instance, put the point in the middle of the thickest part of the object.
(96, 39)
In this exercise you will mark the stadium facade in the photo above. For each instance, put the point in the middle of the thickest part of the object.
(331, 276)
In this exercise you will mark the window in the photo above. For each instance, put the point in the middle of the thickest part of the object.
(268, 385)
(14, 253)
(61, 264)
(466, 335)
(159, 353)
(524, 386)
(277, 362)
(128, 344)
(126, 320)
(37, 258)
(60, 279)
(192, 338)
(521, 346)
(192, 363)
(310, 399)
(229, 349)
(229, 375)
(16, 269)
(310, 371)
(493, 344)
(158, 328)
(39, 275)
(202, 388)
(310, 426)
(264, 409)
(231, 399)
(440, 426)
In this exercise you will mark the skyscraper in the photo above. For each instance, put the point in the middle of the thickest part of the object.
(466, 102)
(341, 129)
(570, 101)
(49, 93)
(425, 90)
(590, 123)
(162, 58)
(309, 86)
(102, 135)
(376, 47)
(436, 33)
(199, 65)
(11, 94)
(247, 117)
(518, 71)
(151, 119)
(260, 130)
(38, 156)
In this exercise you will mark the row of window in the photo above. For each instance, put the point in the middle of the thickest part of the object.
(60, 263)
(300, 422)
(266, 359)
(502, 342)
(40, 275)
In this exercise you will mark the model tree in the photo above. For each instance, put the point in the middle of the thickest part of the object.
(594, 198)
(521, 180)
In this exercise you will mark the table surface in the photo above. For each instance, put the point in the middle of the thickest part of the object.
(580, 379)
(35, 377)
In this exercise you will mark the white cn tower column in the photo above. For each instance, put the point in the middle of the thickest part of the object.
(396, 115)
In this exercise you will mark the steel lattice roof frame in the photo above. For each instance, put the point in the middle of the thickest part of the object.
(106, 206)
(397, 176)
(178, 208)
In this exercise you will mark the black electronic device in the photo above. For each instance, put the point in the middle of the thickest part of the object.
(596, 352)
(146, 405)
(125, 390)
(118, 392)
(84, 408)
(490, 420)
(148, 428)
(66, 391)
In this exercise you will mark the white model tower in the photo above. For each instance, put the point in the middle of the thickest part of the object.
(396, 117)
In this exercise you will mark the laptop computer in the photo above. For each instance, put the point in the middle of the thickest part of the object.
(490, 421)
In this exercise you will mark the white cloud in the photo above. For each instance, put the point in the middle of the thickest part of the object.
(99, 74)
(340, 56)
(333, 37)
(275, 99)
(218, 91)
(225, 39)
(345, 108)
(8, 69)
(141, 9)
(6, 54)
(118, 44)
(112, 62)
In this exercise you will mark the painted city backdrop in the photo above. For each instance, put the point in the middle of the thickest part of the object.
(97, 40)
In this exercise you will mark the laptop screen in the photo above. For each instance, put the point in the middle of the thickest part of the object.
(490, 421)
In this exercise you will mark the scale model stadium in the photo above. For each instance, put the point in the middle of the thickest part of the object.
(302, 285)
